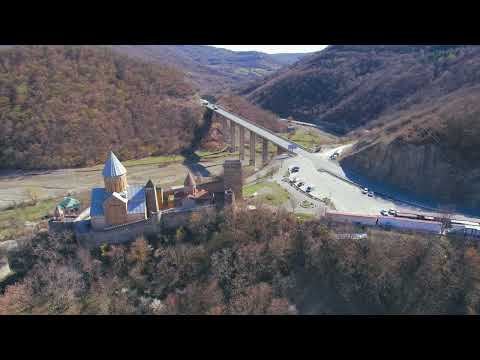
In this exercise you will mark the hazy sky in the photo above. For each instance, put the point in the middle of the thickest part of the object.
(273, 49)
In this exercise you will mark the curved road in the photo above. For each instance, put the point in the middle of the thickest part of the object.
(327, 176)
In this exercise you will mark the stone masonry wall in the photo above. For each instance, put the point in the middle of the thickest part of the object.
(120, 234)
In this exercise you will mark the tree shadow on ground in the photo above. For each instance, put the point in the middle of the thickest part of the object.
(192, 160)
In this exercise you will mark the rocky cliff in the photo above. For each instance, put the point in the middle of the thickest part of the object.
(419, 169)
(432, 151)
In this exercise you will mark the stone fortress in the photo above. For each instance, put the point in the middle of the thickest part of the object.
(119, 212)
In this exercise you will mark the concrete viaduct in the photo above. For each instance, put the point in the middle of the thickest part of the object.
(257, 132)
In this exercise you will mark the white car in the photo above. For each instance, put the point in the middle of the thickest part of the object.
(304, 188)
(300, 184)
(370, 193)
(384, 212)
(365, 191)
(392, 212)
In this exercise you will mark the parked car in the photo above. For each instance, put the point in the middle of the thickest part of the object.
(370, 193)
(392, 212)
(296, 181)
(309, 189)
(384, 212)
(294, 169)
(365, 191)
(300, 184)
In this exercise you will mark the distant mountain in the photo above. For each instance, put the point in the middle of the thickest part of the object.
(212, 69)
(288, 58)
(415, 110)
(344, 87)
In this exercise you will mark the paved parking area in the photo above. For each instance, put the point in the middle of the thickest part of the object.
(345, 196)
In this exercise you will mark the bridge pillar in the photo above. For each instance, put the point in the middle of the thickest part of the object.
(265, 152)
(226, 125)
(242, 143)
(233, 145)
(252, 148)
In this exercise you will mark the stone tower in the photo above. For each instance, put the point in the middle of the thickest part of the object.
(190, 184)
(151, 198)
(233, 177)
(114, 175)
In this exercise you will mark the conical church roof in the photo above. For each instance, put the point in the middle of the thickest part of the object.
(113, 166)
(189, 180)
(150, 184)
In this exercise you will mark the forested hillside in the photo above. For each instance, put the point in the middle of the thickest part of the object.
(414, 109)
(257, 262)
(209, 68)
(63, 106)
(345, 87)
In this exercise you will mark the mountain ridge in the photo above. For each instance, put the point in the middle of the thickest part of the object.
(211, 69)
(413, 110)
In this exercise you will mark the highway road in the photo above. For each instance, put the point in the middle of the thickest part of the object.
(328, 177)
(348, 196)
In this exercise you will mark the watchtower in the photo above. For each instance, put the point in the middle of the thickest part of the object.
(151, 198)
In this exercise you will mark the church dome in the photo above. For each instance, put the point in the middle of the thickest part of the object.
(113, 167)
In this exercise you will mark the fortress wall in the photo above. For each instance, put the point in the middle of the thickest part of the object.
(169, 219)
(98, 222)
(174, 219)
(120, 234)
(60, 226)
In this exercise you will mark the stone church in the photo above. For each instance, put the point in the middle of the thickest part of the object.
(118, 202)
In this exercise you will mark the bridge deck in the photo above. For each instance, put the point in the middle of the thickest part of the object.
(260, 131)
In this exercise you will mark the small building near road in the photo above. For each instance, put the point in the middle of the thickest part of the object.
(69, 205)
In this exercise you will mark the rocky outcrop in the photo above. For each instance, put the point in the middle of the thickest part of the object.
(422, 169)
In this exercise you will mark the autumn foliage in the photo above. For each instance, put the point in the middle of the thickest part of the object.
(63, 106)
(256, 262)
